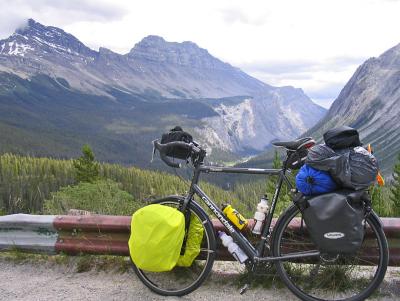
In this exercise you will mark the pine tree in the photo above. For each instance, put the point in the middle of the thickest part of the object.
(87, 169)
(395, 189)
(272, 180)
(277, 163)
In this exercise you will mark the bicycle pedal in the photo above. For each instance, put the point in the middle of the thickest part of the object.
(244, 288)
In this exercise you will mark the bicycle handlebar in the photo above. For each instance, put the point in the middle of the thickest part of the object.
(165, 148)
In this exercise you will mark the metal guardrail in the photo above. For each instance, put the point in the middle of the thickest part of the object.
(107, 235)
(31, 233)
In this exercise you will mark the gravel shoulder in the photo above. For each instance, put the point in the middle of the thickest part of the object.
(49, 281)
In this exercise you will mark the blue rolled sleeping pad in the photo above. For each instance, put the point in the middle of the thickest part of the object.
(311, 181)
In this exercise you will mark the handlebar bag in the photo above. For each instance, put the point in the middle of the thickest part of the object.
(335, 221)
(177, 134)
(311, 181)
(157, 234)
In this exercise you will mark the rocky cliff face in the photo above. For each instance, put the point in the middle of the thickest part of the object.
(370, 102)
(250, 126)
(238, 113)
(186, 70)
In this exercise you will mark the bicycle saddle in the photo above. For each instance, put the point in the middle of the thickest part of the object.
(295, 144)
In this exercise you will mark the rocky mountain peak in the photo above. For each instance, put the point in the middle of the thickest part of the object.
(107, 52)
(31, 28)
(155, 49)
(35, 36)
(391, 57)
(153, 40)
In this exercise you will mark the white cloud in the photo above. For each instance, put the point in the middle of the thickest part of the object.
(322, 80)
(57, 13)
(312, 44)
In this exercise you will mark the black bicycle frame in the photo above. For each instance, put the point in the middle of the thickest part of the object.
(254, 253)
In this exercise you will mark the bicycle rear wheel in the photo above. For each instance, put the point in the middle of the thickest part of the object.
(333, 277)
(183, 280)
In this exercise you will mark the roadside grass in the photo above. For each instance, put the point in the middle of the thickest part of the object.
(79, 263)
(105, 263)
(19, 257)
(336, 277)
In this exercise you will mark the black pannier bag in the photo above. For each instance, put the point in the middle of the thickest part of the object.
(335, 221)
(342, 137)
(177, 134)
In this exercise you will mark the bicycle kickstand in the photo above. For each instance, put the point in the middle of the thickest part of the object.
(249, 280)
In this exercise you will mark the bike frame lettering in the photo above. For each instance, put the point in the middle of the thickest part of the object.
(218, 215)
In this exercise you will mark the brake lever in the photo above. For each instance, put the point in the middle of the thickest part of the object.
(195, 148)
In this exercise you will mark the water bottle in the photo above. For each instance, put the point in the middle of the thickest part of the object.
(233, 248)
(259, 215)
(235, 217)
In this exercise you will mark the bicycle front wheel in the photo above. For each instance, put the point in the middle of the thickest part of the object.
(333, 277)
(183, 280)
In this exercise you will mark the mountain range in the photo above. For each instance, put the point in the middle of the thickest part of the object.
(369, 102)
(57, 94)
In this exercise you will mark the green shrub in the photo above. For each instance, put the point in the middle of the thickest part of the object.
(102, 197)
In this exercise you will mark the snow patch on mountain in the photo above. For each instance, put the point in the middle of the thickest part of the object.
(56, 47)
(15, 48)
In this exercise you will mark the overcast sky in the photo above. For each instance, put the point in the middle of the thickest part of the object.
(315, 45)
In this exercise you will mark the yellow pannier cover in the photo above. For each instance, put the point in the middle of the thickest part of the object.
(193, 242)
(156, 239)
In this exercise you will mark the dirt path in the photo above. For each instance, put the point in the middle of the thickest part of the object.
(59, 282)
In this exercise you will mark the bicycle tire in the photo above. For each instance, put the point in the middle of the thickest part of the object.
(181, 280)
(339, 277)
